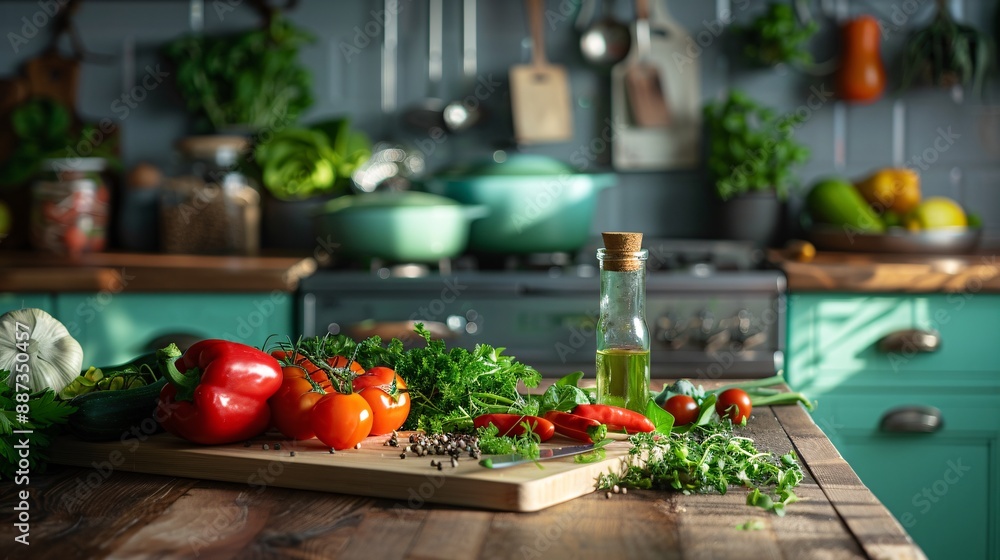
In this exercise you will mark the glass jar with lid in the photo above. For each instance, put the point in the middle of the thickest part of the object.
(211, 207)
(69, 206)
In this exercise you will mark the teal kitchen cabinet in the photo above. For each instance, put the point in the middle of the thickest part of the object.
(114, 328)
(917, 417)
(10, 301)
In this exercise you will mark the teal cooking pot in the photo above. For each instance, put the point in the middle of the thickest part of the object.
(398, 226)
(537, 204)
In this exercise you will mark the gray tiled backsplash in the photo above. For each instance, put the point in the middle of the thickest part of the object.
(660, 204)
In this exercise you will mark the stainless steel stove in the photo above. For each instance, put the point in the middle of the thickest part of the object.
(712, 310)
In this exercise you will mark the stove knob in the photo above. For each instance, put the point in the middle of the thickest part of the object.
(706, 321)
(669, 332)
(746, 333)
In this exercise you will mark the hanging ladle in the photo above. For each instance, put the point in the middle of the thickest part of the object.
(606, 41)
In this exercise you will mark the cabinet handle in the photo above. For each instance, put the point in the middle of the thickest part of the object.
(912, 419)
(910, 340)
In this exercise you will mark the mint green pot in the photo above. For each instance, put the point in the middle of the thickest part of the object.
(398, 227)
(537, 205)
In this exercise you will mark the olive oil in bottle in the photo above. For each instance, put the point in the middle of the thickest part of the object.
(623, 377)
(622, 334)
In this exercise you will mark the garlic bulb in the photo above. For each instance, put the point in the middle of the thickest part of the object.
(33, 338)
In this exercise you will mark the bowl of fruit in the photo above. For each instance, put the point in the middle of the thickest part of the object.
(886, 213)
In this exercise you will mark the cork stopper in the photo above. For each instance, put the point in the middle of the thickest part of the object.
(619, 250)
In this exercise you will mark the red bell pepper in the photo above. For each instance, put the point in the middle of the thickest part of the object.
(218, 391)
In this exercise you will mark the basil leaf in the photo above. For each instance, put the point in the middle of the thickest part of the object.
(662, 419)
(562, 397)
(571, 379)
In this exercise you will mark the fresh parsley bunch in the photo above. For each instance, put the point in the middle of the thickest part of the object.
(45, 414)
(448, 387)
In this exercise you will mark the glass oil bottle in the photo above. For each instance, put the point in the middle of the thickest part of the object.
(622, 334)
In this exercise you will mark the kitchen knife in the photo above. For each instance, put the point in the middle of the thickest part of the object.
(500, 461)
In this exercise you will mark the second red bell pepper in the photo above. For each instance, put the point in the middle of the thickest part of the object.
(218, 391)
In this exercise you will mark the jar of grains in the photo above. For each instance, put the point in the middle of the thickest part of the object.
(69, 206)
(210, 207)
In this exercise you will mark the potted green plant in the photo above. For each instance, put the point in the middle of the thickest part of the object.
(242, 82)
(947, 54)
(776, 37)
(751, 157)
(300, 169)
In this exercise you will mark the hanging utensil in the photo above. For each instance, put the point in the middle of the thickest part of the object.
(605, 41)
(462, 114)
(429, 114)
(677, 146)
(539, 91)
(392, 166)
(642, 80)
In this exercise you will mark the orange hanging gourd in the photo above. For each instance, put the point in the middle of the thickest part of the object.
(861, 76)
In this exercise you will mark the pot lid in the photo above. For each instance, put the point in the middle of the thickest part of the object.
(511, 165)
(386, 200)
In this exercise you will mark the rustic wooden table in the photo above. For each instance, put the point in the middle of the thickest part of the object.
(138, 515)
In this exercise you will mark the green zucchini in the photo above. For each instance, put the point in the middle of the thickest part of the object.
(107, 415)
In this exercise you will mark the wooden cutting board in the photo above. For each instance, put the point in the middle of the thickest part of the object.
(374, 470)
(676, 144)
(539, 92)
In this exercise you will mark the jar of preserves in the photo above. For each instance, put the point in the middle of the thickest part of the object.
(69, 206)
(210, 207)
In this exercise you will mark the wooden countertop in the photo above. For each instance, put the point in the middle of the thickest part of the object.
(91, 513)
(860, 272)
(114, 272)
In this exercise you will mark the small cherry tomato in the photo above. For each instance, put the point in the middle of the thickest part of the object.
(683, 408)
(291, 407)
(342, 420)
(735, 403)
(386, 393)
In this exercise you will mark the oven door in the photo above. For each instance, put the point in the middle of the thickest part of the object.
(551, 325)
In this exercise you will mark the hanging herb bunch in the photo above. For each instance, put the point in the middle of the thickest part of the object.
(777, 37)
(947, 53)
(248, 80)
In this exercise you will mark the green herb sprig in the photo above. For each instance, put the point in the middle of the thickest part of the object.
(708, 458)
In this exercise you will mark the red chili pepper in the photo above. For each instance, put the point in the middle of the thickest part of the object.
(511, 425)
(577, 427)
(616, 418)
(218, 391)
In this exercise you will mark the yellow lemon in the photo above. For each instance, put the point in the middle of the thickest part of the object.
(936, 212)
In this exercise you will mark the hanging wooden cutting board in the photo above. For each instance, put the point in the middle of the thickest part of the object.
(676, 145)
(539, 92)
(647, 104)
(54, 76)
(374, 470)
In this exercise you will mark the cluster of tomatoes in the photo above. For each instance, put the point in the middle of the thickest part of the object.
(734, 403)
(341, 403)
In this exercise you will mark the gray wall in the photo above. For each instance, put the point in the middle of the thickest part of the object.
(848, 140)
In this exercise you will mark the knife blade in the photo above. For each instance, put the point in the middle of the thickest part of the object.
(501, 461)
